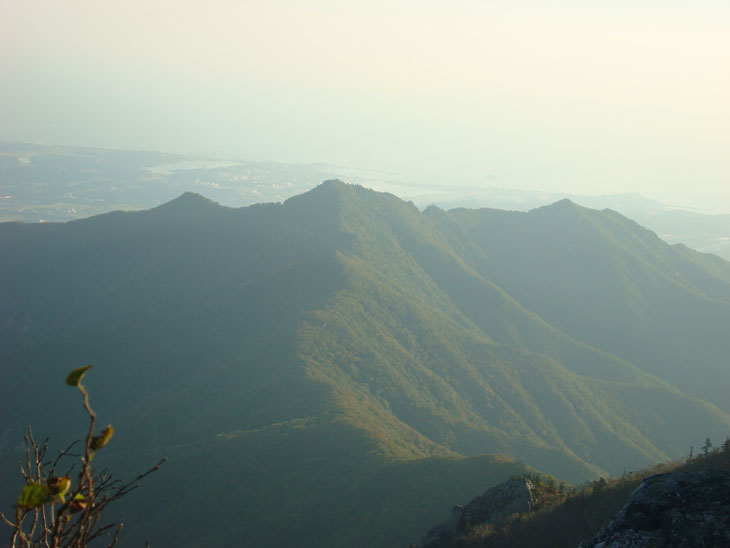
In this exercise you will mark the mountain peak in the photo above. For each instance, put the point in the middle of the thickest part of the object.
(188, 203)
(329, 186)
(187, 199)
(331, 194)
(565, 203)
(333, 183)
(561, 207)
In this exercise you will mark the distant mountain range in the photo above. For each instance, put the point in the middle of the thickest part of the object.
(339, 368)
(62, 183)
(703, 231)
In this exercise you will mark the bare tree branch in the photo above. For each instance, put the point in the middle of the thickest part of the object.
(66, 514)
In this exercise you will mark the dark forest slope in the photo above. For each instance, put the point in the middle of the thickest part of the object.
(332, 360)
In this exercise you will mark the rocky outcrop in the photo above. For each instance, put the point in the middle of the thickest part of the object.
(678, 509)
(492, 507)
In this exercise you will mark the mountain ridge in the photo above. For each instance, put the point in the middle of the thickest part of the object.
(342, 315)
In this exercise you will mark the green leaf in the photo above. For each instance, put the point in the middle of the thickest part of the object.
(59, 487)
(74, 378)
(34, 495)
(102, 439)
(77, 503)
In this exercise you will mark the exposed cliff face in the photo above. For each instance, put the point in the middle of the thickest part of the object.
(492, 507)
(677, 509)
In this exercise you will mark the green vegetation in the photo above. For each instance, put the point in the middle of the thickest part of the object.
(54, 511)
(342, 363)
(565, 519)
(612, 284)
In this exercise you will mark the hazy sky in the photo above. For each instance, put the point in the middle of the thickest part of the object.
(573, 96)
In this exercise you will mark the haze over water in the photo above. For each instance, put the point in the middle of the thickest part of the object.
(566, 97)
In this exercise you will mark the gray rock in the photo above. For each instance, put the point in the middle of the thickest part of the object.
(492, 507)
(678, 509)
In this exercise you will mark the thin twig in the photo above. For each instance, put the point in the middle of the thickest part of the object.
(63, 453)
(53, 525)
(116, 535)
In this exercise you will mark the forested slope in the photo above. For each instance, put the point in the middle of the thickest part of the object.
(328, 371)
